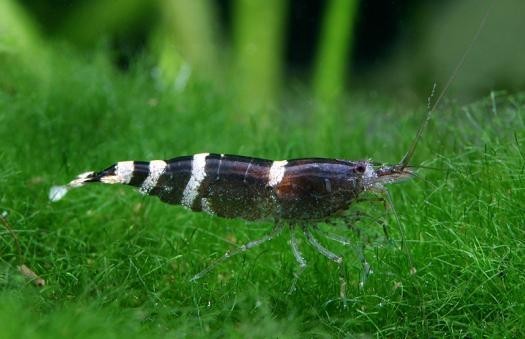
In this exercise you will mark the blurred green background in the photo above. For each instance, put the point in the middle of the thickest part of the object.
(266, 51)
(87, 83)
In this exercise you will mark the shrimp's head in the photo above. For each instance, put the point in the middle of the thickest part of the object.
(376, 176)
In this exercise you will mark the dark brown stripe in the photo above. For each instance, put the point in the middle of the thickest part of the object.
(235, 186)
(110, 171)
(172, 182)
(140, 173)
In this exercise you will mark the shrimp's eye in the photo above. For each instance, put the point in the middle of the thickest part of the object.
(360, 169)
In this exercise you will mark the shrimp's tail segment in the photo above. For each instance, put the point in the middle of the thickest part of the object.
(111, 175)
(58, 192)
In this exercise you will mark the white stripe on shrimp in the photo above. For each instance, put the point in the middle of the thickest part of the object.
(276, 172)
(123, 173)
(156, 168)
(198, 174)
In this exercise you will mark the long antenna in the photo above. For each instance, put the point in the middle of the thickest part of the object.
(408, 156)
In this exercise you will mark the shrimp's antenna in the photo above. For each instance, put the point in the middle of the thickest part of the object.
(408, 156)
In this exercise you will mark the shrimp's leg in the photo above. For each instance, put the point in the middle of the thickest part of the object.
(243, 248)
(332, 256)
(300, 260)
(359, 251)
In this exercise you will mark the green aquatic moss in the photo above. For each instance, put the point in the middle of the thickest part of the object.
(119, 264)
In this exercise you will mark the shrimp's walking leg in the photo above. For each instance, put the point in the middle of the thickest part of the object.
(243, 248)
(332, 256)
(360, 253)
(300, 260)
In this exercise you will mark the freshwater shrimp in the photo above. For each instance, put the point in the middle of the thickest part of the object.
(296, 192)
